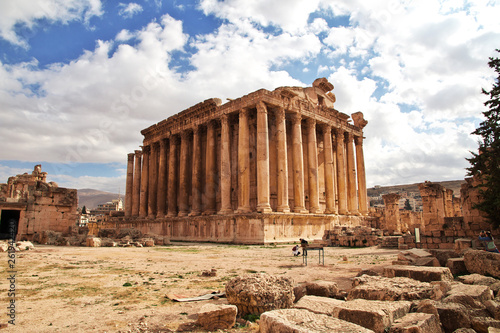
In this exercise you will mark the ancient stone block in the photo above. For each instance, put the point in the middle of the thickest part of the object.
(478, 279)
(258, 293)
(469, 295)
(214, 317)
(423, 274)
(374, 315)
(303, 321)
(456, 266)
(483, 262)
(317, 304)
(417, 323)
(493, 308)
(93, 242)
(462, 244)
(482, 324)
(390, 289)
(453, 316)
(322, 288)
(442, 255)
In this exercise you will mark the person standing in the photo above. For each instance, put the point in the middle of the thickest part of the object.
(487, 238)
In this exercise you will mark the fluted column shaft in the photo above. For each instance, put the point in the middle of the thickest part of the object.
(184, 175)
(136, 192)
(153, 180)
(312, 158)
(129, 185)
(143, 209)
(298, 165)
(263, 191)
(196, 183)
(352, 194)
(282, 162)
(360, 166)
(162, 180)
(243, 163)
(172, 177)
(329, 178)
(341, 174)
(210, 169)
(225, 167)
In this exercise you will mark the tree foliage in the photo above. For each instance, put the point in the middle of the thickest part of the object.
(485, 164)
(408, 205)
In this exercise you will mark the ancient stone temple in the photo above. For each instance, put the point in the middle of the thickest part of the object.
(34, 205)
(269, 166)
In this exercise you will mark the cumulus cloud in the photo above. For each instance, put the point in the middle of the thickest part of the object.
(129, 10)
(27, 14)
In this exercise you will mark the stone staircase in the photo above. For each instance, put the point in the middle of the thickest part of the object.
(390, 242)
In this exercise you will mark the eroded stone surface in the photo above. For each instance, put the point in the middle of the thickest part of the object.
(303, 321)
(258, 293)
(214, 317)
(469, 295)
(423, 274)
(318, 304)
(390, 289)
(483, 262)
(417, 323)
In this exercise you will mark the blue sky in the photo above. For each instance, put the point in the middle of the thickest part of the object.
(80, 79)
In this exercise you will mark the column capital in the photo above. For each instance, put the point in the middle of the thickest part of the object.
(211, 123)
(130, 156)
(280, 113)
(146, 149)
(325, 127)
(163, 143)
(348, 136)
(358, 140)
(138, 152)
(244, 112)
(296, 118)
(185, 134)
(310, 122)
(224, 118)
(175, 139)
(261, 107)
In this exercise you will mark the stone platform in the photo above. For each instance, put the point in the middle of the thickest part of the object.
(251, 228)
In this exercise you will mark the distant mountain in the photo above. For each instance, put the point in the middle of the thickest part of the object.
(453, 185)
(91, 198)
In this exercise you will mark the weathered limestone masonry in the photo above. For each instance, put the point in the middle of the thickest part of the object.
(444, 219)
(269, 166)
(37, 205)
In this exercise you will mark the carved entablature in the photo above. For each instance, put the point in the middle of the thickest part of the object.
(359, 120)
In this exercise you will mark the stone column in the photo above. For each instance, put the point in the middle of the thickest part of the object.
(162, 180)
(352, 194)
(298, 165)
(225, 167)
(329, 179)
(172, 177)
(136, 192)
(391, 212)
(341, 175)
(143, 209)
(312, 160)
(129, 184)
(210, 169)
(263, 191)
(183, 175)
(282, 162)
(360, 166)
(243, 163)
(196, 183)
(153, 180)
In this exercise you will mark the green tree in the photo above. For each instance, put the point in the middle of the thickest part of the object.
(485, 164)
(407, 205)
(84, 210)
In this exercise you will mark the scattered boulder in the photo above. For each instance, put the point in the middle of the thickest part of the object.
(469, 295)
(456, 266)
(443, 255)
(147, 242)
(258, 293)
(390, 289)
(423, 274)
(217, 317)
(131, 232)
(317, 304)
(322, 288)
(416, 257)
(482, 324)
(483, 262)
(462, 244)
(107, 233)
(210, 273)
(4, 246)
(25, 245)
(453, 316)
(478, 279)
(417, 323)
(374, 315)
(303, 321)
(493, 308)
(108, 242)
(93, 241)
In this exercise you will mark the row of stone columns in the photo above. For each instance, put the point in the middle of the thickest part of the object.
(147, 194)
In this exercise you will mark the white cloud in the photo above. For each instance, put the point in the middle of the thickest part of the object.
(129, 10)
(26, 13)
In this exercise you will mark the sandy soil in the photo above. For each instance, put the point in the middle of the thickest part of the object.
(80, 289)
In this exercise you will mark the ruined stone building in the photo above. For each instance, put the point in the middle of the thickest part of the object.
(36, 205)
(271, 165)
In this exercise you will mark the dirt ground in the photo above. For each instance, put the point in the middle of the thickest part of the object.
(81, 289)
